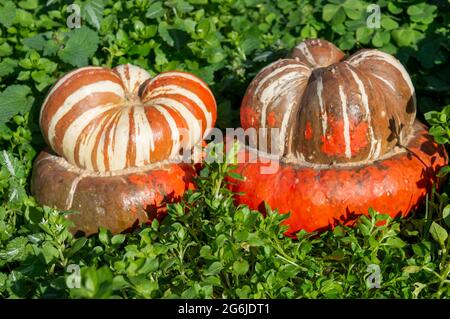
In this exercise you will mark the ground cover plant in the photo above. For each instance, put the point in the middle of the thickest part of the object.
(208, 247)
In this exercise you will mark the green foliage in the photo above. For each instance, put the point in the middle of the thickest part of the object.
(440, 121)
(207, 247)
(218, 250)
(15, 99)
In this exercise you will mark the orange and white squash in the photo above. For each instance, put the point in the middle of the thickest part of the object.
(114, 135)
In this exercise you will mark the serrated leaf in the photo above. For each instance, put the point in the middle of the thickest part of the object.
(40, 43)
(5, 49)
(92, 11)
(81, 45)
(49, 252)
(7, 13)
(14, 100)
(7, 66)
(15, 250)
(160, 57)
(9, 161)
(251, 41)
(36, 42)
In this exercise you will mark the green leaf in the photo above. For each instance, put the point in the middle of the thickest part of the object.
(7, 13)
(76, 246)
(213, 269)
(251, 41)
(163, 30)
(23, 18)
(393, 8)
(81, 45)
(364, 35)
(37, 42)
(438, 233)
(49, 251)
(403, 36)
(443, 171)
(422, 13)
(331, 289)
(28, 4)
(380, 38)
(329, 11)
(160, 57)
(92, 11)
(14, 100)
(240, 267)
(155, 10)
(7, 66)
(103, 236)
(203, 28)
(446, 214)
(347, 42)
(411, 269)
(338, 18)
(15, 250)
(354, 9)
(5, 49)
(180, 6)
(389, 23)
(118, 239)
(395, 242)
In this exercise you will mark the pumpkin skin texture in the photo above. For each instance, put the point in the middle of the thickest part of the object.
(321, 198)
(116, 138)
(104, 120)
(348, 139)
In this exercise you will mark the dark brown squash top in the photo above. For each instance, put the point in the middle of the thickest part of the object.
(329, 109)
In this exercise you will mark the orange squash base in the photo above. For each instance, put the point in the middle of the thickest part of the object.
(117, 201)
(320, 198)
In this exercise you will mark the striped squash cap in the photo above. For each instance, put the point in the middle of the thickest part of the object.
(102, 119)
(328, 109)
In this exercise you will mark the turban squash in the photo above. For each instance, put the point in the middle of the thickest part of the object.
(115, 138)
(347, 138)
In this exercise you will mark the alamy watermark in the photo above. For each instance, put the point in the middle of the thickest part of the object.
(374, 279)
(73, 21)
(373, 21)
(74, 279)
